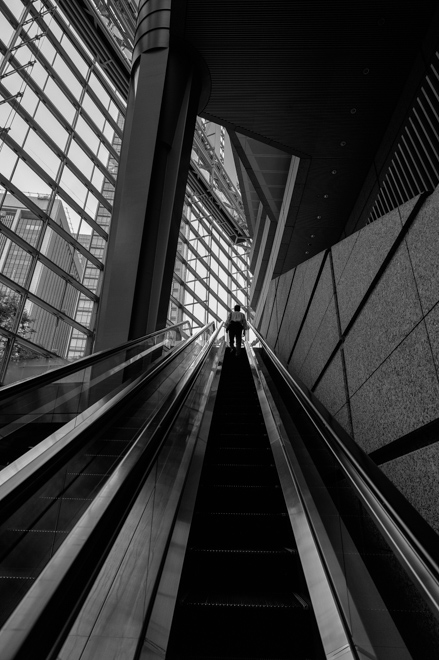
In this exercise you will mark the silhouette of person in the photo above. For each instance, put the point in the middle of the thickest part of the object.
(235, 325)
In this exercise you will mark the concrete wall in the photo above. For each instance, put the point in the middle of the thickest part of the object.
(359, 325)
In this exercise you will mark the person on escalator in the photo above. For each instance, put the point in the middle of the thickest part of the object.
(236, 324)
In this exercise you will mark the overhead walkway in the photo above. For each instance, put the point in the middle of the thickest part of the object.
(190, 503)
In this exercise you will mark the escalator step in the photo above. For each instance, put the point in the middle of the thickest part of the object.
(239, 592)
(284, 601)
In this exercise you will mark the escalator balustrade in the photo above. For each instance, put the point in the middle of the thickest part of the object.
(242, 591)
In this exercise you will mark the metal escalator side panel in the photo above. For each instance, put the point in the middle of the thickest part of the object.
(344, 626)
(158, 627)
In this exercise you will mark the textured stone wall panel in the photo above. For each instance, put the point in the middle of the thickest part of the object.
(400, 396)
(353, 275)
(390, 314)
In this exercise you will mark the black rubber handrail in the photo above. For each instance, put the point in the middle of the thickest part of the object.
(67, 369)
(408, 533)
(44, 625)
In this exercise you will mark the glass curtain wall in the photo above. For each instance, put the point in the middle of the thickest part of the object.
(61, 123)
(211, 273)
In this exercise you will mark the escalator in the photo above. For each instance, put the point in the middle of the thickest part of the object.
(242, 593)
(178, 512)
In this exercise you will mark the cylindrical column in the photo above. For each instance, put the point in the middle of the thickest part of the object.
(164, 97)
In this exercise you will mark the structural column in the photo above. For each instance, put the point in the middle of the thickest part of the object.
(164, 98)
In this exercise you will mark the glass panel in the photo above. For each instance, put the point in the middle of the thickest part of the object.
(97, 179)
(17, 126)
(23, 54)
(80, 159)
(71, 297)
(67, 77)
(76, 58)
(26, 180)
(62, 102)
(8, 159)
(42, 154)
(91, 205)
(47, 50)
(99, 90)
(9, 304)
(16, 7)
(26, 363)
(85, 132)
(73, 186)
(39, 74)
(109, 132)
(52, 25)
(103, 155)
(47, 285)
(6, 29)
(29, 100)
(51, 126)
(68, 217)
(29, 227)
(78, 392)
(15, 262)
(93, 111)
(84, 234)
(57, 250)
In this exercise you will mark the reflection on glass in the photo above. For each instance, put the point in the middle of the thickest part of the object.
(26, 362)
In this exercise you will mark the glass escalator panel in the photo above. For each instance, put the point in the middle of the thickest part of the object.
(28, 415)
(34, 529)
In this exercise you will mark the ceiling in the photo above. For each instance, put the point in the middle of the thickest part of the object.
(317, 79)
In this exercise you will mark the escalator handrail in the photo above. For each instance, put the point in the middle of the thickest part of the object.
(412, 537)
(14, 389)
(70, 558)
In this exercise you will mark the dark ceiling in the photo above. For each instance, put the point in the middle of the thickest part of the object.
(316, 79)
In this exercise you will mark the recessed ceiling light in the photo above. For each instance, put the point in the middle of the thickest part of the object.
(343, 144)
(319, 217)
(307, 252)
(326, 196)
(366, 71)
(353, 111)
(313, 235)
(334, 172)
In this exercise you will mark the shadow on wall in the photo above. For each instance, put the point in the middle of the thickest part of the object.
(359, 325)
